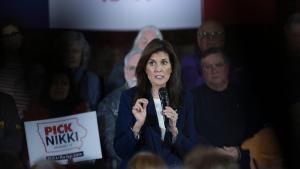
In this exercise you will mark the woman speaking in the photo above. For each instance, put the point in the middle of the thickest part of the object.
(156, 115)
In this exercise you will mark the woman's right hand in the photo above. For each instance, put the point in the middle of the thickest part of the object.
(139, 111)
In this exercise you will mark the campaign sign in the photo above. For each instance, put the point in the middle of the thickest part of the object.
(61, 139)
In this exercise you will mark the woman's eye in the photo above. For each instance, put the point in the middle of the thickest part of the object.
(151, 63)
(164, 62)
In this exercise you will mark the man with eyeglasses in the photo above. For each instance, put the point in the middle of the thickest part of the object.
(210, 34)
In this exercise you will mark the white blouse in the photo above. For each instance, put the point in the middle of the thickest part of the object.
(160, 117)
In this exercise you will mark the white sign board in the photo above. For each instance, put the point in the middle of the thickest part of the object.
(73, 137)
(125, 14)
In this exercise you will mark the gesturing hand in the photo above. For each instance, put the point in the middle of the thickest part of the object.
(172, 115)
(139, 110)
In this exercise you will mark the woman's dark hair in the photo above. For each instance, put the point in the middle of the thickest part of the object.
(173, 85)
(63, 106)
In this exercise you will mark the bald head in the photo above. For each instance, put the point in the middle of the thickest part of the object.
(210, 35)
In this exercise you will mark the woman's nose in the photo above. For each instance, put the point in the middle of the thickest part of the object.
(158, 67)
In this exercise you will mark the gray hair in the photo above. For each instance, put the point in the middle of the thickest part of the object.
(142, 32)
(75, 36)
(131, 53)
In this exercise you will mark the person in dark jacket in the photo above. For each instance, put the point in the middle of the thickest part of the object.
(11, 135)
(224, 116)
(143, 123)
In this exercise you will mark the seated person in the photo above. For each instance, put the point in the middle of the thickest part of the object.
(75, 52)
(10, 126)
(209, 34)
(224, 114)
(59, 98)
(15, 69)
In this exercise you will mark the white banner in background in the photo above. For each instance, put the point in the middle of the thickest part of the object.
(73, 137)
(124, 15)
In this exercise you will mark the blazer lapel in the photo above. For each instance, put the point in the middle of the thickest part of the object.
(151, 115)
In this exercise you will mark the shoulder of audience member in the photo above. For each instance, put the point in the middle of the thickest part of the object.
(115, 94)
(92, 75)
(130, 92)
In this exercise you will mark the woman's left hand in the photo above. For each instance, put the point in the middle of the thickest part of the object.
(172, 115)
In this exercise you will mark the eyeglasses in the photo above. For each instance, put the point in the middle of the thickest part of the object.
(205, 34)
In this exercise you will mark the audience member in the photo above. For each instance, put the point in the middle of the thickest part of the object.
(11, 135)
(292, 87)
(209, 158)
(140, 124)
(146, 160)
(76, 53)
(145, 35)
(59, 98)
(225, 115)
(292, 35)
(109, 106)
(210, 34)
(14, 67)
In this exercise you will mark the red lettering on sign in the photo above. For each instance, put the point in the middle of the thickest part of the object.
(62, 128)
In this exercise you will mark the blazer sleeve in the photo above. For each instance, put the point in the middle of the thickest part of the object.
(187, 135)
(125, 142)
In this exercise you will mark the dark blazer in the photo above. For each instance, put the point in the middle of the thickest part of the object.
(126, 145)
